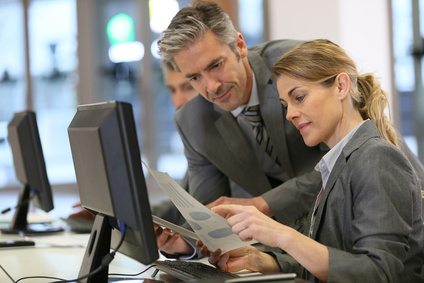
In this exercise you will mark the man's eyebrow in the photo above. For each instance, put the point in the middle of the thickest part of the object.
(188, 76)
(213, 62)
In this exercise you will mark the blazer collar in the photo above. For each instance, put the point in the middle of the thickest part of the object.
(367, 131)
(260, 68)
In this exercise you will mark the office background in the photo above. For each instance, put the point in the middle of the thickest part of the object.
(57, 54)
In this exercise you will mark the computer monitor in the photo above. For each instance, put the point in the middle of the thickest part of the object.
(30, 168)
(111, 184)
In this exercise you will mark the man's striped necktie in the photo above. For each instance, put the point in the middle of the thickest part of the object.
(253, 115)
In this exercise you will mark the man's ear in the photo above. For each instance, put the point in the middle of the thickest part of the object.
(241, 45)
(342, 84)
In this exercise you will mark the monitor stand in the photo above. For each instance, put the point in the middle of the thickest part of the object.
(97, 248)
(20, 225)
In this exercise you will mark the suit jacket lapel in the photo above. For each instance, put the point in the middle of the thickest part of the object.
(245, 162)
(271, 110)
(337, 169)
(365, 132)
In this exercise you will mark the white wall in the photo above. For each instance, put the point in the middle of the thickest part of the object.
(361, 27)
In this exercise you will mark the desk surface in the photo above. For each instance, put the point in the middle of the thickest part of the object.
(60, 255)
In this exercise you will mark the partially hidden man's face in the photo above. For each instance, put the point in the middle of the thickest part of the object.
(180, 88)
(215, 71)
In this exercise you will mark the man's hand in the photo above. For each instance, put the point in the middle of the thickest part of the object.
(247, 257)
(257, 202)
(171, 243)
(82, 213)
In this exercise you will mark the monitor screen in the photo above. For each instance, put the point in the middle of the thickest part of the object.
(111, 184)
(30, 168)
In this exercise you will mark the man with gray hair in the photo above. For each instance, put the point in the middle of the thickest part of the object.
(236, 138)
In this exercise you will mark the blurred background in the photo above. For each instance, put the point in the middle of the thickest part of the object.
(57, 54)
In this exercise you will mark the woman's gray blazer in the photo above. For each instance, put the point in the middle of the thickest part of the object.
(369, 216)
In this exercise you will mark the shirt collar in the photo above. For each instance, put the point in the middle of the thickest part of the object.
(326, 164)
(253, 100)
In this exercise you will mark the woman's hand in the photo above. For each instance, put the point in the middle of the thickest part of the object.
(247, 257)
(249, 223)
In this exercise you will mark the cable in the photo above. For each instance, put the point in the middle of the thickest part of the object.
(37, 277)
(8, 275)
(25, 202)
(132, 275)
(105, 261)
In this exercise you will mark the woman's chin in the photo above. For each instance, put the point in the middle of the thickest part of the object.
(310, 142)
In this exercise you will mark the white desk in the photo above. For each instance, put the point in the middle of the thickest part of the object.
(62, 261)
(60, 255)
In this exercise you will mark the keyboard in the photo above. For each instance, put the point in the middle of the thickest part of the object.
(192, 271)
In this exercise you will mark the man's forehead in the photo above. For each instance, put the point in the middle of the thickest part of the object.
(199, 54)
(189, 62)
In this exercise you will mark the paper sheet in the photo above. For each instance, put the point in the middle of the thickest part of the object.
(171, 226)
(211, 228)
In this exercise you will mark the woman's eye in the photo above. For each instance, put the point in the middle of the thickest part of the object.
(300, 98)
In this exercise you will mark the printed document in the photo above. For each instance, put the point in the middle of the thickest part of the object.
(211, 228)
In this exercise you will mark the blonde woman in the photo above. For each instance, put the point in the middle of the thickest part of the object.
(366, 223)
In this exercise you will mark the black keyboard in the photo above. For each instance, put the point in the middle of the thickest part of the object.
(191, 270)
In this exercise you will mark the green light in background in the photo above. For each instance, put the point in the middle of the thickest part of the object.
(120, 29)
